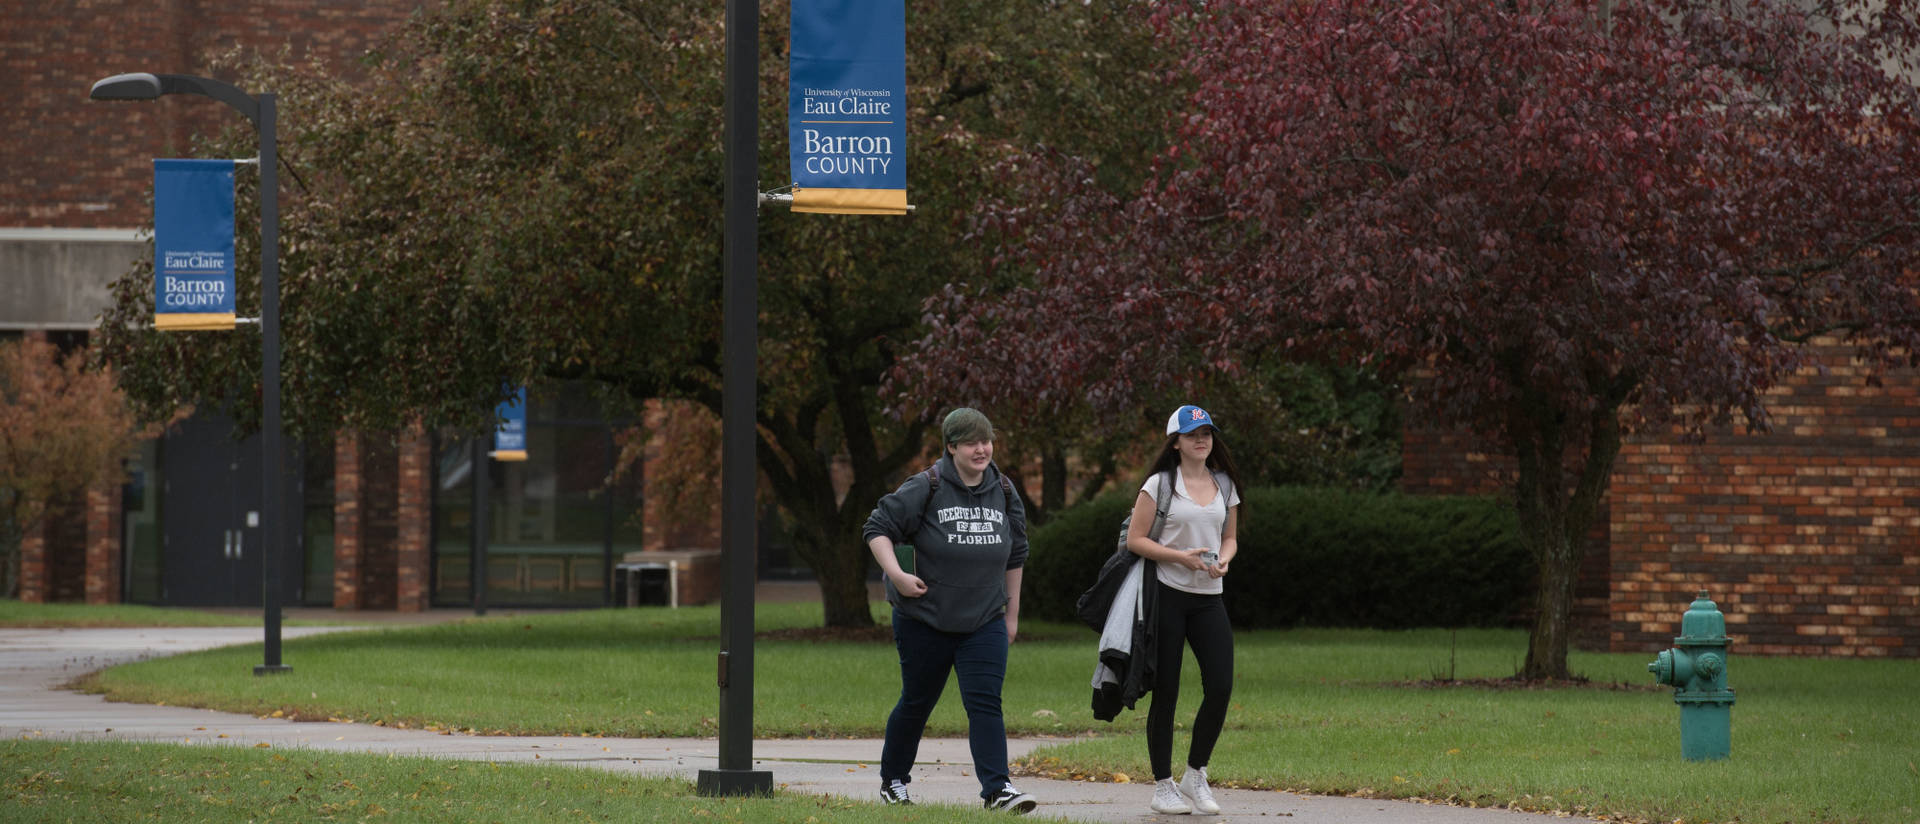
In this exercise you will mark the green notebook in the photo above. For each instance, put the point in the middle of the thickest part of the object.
(904, 554)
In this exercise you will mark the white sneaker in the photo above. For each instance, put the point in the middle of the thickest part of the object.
(1166, 798)
(1194, 785)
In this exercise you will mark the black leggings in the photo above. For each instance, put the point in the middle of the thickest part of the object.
(1201, 621)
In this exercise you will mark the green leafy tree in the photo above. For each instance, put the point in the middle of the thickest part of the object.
(531, 191)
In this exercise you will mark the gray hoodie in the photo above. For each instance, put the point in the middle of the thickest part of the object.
(964, 542)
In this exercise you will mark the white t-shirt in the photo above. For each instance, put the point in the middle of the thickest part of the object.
(1190, 526)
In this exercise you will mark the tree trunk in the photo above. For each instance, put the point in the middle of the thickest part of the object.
(1053, 485)
(1559, 566)
(826, 535)
(10, 572)
(13, 531)
(843, 585)
(827, 526)
(1540, 496)
(1554, 514)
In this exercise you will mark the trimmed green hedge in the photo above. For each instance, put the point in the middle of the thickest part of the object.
(1312, 556)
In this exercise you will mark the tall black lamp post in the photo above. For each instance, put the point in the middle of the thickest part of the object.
(261, 112)
(735, 775)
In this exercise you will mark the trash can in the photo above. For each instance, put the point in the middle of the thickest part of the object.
(648, 584)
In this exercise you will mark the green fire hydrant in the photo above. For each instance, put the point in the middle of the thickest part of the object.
(1696, 668)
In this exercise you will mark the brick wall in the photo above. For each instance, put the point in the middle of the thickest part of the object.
(73, 552)
(72, 162)
(366, 522)
(701, 576)
(349, 542)
(414, 519)
(1807, 537)
(380, 570)
(669, 426)
(1448, 462)
(33, 564)
(75, 163)
(103, 561)
(65, 531)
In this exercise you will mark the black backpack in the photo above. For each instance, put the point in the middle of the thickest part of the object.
(1092, 605)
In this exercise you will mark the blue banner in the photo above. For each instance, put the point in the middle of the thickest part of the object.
(510, 437)
(847, 99)
(193, 244)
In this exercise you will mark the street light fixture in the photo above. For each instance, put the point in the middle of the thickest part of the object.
(735, 774)
(261, 112)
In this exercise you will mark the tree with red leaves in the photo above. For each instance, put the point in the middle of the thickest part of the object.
(63, 428)
(1569, 219)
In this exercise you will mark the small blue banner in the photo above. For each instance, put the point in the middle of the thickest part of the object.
(847, 107)
(193, 244)
(510, 437)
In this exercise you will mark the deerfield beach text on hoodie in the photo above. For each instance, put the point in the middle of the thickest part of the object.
(975, 524)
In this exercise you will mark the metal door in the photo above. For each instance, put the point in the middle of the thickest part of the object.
(210, 512)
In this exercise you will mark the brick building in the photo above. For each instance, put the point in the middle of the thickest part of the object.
(1808, 537)
(379, 520)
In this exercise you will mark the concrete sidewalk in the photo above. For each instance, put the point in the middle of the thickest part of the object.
(34, 662)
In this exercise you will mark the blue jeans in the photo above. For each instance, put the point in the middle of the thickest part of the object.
(927, 655)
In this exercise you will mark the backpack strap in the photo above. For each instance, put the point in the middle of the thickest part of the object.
(1224, 483)
(933, 485)
(1162, 501)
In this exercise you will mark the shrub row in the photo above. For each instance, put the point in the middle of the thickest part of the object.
(1321, 557)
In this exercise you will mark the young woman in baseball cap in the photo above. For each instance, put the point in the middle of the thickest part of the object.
(1195, 549)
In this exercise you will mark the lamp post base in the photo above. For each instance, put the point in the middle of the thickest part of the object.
(272, 669)
(735, 782)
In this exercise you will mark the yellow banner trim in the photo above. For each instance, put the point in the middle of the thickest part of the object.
(193, 321)
(850, 201)
(509, 455)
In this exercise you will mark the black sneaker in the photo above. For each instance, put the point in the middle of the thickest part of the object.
(895, 792)
(1011, 800)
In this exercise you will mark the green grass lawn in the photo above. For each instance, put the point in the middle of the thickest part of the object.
(1326, 712)
(18, 614)
(44, 781)
(1321, 711)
